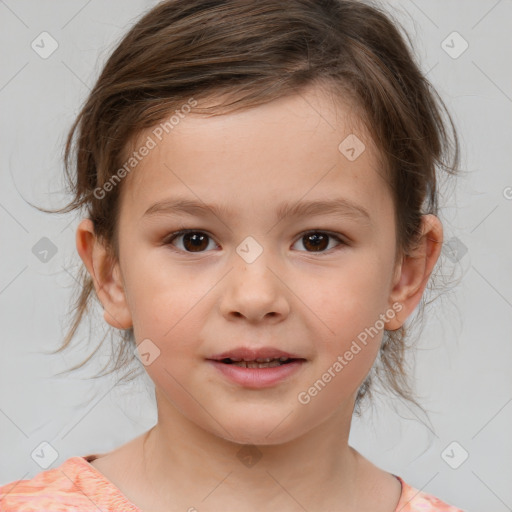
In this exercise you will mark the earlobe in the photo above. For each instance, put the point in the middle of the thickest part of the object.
(106, 276)
(414, 271)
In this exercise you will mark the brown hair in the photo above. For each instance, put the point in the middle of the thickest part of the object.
(254, 52)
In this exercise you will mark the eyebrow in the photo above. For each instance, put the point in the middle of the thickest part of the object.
(338, 206)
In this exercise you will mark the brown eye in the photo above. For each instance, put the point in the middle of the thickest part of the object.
(195, 241)
(192, 241)
(318, 241)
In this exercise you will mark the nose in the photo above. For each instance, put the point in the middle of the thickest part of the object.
(254, 291)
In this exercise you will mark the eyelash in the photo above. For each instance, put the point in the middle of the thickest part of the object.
(176, 234)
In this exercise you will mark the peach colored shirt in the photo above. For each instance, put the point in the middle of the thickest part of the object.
(78, 486)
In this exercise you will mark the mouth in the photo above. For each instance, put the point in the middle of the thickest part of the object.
(268, 362)
(262, 357)
(257, 368)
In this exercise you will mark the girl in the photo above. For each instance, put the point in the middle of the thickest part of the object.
(260, 187)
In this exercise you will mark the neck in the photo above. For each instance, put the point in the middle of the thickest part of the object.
(182, 459)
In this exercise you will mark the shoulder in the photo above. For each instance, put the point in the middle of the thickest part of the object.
(413, 500)
(72, 486)
(53, 489)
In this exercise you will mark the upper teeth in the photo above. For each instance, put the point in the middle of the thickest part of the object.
(255, 364)
(259, 359)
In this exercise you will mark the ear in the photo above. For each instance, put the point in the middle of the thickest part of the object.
(106, 276)
(412, 273)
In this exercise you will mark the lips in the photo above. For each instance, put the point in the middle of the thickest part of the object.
(257, 368)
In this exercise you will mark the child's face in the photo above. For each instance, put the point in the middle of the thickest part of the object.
(214, 298)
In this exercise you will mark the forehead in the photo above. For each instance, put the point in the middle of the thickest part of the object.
(308, 143)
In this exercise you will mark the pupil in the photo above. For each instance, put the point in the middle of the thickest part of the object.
(317, 241)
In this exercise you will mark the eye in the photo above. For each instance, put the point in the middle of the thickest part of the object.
(198, 241)
(318, 241)
(193, 241)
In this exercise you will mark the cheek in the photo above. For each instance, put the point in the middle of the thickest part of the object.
(346, 303)
(162, 299)
(347, 314)
(339, 372)
(169, 309)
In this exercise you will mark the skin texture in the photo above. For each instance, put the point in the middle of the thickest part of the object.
(192, 305)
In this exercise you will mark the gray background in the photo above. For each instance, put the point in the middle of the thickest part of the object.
(463, 365)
